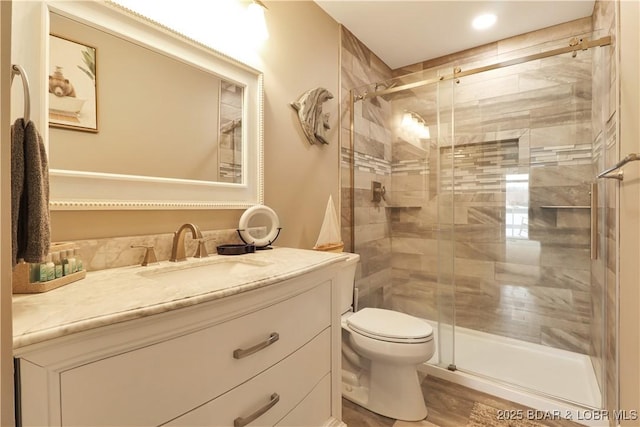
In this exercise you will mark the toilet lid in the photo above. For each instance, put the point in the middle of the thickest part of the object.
(390, 325)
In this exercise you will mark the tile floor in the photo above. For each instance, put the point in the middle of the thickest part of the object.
(449, 405)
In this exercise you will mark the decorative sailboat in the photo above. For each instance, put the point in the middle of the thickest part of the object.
(329, 239)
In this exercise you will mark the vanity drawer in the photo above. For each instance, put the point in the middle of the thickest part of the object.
(156, 383)
(273, 394)
(314, 410)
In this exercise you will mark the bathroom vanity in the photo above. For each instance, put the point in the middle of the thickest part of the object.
(245, 340)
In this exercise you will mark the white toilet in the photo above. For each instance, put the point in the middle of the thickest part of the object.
(381, 350)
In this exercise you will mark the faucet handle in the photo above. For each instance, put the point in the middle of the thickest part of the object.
(202, 252)
(149, 254)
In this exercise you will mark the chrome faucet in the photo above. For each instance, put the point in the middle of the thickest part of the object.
(177, 250)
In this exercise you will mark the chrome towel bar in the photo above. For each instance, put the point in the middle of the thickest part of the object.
(607, 173)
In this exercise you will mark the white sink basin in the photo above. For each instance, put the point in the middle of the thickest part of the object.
(198, 270)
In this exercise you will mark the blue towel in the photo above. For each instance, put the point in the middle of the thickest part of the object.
(30, 230)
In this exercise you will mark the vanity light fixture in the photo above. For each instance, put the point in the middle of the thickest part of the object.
(256, 20)
(484, 21)
(415, 124)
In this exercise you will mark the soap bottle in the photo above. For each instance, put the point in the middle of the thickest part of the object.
(34, 272)
(66, 267)
(73, 267)
(51, 268)
(57, 264)
(45, 269)
(79, 264)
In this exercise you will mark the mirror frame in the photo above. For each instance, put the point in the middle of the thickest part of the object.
(79, 190)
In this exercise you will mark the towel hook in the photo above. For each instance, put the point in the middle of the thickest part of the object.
(17, 69)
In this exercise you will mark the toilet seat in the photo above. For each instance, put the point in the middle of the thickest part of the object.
(391, 326)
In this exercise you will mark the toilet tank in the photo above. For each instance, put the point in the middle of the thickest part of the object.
(346, 281)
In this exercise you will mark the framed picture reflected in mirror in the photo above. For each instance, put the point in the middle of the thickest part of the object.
(72, 85)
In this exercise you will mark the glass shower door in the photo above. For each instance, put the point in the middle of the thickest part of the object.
(522, 160)
(444, 172)
(405, 238)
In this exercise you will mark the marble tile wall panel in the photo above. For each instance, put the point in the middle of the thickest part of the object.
(407, 149)
(374, 289)
(579, 111)
(372, 153)
(346, 210)
(414, 294)
(580, 154)
(101, 254)
(230, 172)
(230, 143)
(560, 176)
(410, 167)
(372, 164)
(410, 174)
(478, 167)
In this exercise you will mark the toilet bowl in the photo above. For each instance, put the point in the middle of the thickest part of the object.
(381, 350)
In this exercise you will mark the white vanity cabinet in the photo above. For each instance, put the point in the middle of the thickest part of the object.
(262, 357)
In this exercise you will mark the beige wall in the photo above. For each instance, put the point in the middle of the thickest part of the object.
(629, 44)
(301, 53)
(6, 358)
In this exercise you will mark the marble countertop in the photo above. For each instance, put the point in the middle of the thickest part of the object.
(115, 295)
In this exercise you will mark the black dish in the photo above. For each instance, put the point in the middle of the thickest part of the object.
(236, 249)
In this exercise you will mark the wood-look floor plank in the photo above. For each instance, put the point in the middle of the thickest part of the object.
(450, 405)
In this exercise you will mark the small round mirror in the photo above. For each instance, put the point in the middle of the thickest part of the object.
(259, 225)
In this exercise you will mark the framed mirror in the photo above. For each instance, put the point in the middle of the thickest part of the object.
(173, 124)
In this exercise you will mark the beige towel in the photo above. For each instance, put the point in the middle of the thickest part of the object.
(29, 194)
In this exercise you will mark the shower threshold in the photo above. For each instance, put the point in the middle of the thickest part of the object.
(543, 376)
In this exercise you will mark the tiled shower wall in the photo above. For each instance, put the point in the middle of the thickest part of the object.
(372, 163)
(534, 285)
(543, 288)
(230, 147)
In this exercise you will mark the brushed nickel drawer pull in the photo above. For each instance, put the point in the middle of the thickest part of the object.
(240, 353)
(243, 421)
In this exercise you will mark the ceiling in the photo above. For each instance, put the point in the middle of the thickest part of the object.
(407, 32)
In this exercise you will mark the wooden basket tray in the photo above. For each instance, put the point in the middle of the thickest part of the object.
(20, 279)
(23, 286)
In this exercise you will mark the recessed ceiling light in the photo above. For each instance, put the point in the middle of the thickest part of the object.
(482, 22)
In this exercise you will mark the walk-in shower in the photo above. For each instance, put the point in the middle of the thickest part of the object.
(493, 225)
